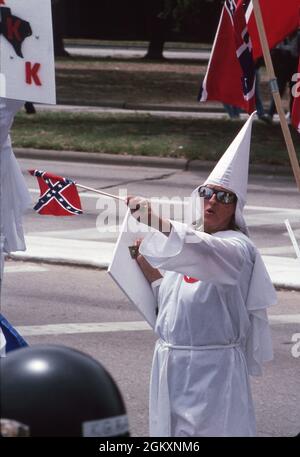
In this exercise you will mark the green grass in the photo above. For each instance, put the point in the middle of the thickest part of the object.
(92, 82)
(146, 135)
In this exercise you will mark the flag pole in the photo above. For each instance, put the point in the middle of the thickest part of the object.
(275, 92)
(101, 192)
(293, 238)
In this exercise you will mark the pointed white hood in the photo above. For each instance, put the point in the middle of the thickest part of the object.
(231, 172)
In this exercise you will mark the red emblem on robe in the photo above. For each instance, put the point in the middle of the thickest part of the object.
(190, 280)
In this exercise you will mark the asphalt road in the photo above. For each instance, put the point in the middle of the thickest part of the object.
(84, 309)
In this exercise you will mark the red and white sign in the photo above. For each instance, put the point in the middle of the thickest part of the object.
(27, 70)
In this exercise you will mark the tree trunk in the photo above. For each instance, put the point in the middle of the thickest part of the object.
(157, 28)
(58, 19)
(155, 49)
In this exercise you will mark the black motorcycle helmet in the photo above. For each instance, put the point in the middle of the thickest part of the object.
(58, 391)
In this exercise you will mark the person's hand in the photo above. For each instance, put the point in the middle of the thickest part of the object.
(140, 209)
(151, 274)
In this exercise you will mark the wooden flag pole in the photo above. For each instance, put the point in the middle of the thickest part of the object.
(275, 92)
(101, 192)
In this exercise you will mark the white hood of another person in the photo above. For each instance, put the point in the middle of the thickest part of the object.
(231, 172)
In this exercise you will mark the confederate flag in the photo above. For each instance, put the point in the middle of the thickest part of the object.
(281, 18)
(229, 75)
(59, 196)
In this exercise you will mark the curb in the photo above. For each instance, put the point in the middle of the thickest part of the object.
(179, 109)
(104, 265)
(100, 158)
(123, 105)
(138, 161)
(58, 261)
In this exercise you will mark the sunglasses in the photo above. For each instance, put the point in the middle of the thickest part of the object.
(222, 195)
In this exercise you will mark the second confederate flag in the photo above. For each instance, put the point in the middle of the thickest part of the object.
(230, 76)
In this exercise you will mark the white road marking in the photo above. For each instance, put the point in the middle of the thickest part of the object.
(24, 269)
(284, 319)
(271, 209)
(63, 329)
(106, 327)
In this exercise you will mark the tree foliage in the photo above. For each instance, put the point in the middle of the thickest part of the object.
(183, 11)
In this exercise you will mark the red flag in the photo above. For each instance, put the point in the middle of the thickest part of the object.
(59, 196)
(296, 104)
(230, 76)
(226, 68)
(281, 18)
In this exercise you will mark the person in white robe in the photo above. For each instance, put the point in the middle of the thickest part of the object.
(213, 292)
(14, 195)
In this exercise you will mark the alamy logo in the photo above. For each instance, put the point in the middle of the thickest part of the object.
(296, 86)
(296, 347)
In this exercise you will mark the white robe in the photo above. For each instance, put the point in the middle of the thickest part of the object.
(212, 333)
(14, 196)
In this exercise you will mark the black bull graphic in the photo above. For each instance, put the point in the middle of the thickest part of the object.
(14, 29)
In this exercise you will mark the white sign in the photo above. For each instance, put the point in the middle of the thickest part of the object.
(127, 274)
(27, 70)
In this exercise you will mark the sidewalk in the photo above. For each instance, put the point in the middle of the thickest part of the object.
(284, 272)
(201, 55)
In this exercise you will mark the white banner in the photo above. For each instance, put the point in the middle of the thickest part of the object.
(27, 70)
(127, 274)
